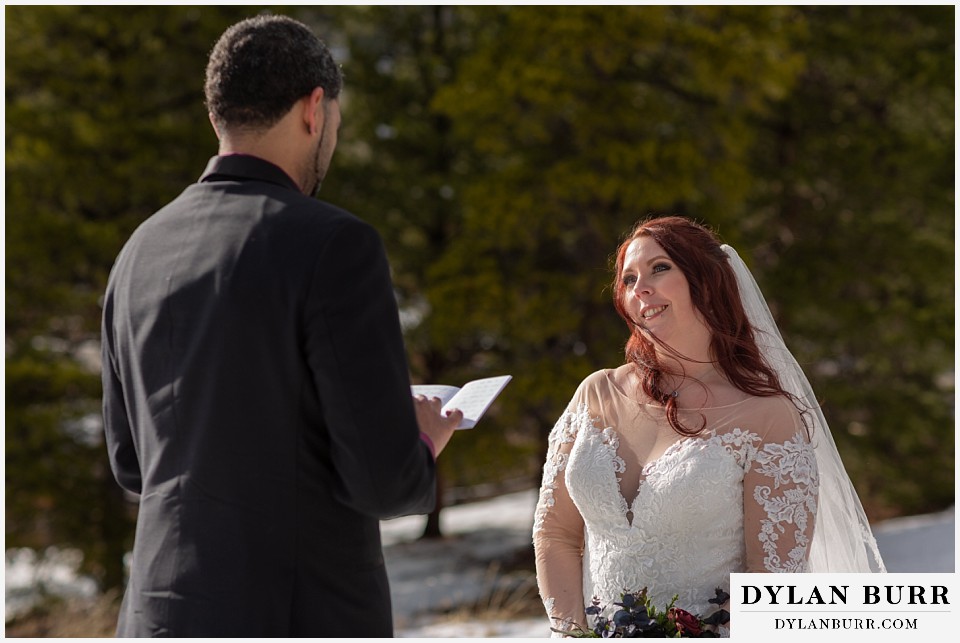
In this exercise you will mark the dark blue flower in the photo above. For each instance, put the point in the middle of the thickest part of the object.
(721, 597)
(622, 618)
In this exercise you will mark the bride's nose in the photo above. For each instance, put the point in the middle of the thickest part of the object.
(642, 287)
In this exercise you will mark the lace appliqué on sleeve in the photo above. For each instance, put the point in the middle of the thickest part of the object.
(792, 500)
(564, 432)
(557, 623)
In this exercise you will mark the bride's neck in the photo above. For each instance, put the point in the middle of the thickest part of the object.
(678, 372)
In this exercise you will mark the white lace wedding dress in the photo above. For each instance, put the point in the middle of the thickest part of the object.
(741, 496)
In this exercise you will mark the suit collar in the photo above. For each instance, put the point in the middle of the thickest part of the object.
(246, 167)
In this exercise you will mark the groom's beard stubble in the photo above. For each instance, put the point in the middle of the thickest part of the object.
(320, 165)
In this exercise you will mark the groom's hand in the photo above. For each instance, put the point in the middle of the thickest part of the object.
(437, 427)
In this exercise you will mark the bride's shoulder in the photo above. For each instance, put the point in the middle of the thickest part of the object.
(605, 379)
(595, 390)
(776, 417)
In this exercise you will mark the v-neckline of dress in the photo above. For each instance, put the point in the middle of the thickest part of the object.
(650, 467)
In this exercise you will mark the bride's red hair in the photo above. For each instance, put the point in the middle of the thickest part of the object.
(697, 253)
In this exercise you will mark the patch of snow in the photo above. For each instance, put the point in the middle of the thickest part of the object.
(29, 577)
(924, 544)
(526, 628)
(461, 571)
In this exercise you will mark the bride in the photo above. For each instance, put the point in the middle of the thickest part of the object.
(704, 454)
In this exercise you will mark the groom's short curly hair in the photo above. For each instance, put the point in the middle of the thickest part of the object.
(261, 66)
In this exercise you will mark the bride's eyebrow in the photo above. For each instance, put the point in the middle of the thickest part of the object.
(659, 258)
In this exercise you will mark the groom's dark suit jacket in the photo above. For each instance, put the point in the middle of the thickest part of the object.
(256, 396)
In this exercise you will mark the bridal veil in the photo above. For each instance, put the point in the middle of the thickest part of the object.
(842, 539)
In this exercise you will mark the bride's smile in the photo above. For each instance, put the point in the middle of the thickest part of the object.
(649, 312)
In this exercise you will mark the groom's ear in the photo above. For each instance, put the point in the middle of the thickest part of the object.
(312, 111)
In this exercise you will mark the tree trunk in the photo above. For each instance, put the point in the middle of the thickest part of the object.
(432, 530)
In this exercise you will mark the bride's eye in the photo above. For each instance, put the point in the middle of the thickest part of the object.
(660, 267)
(629, 280)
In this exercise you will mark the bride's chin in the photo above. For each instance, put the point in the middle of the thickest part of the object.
(649, 333)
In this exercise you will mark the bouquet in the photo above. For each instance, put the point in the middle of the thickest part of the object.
(638, 618)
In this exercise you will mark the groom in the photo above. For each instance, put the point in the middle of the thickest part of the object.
(256, 393)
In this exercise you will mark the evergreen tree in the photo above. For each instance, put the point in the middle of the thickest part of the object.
(851, 225)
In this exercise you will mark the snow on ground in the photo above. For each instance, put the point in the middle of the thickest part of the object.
(53, 571)
(924, 544)
(463, 570)
(440, 587)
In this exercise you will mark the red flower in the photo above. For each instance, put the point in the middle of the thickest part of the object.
(687, 624)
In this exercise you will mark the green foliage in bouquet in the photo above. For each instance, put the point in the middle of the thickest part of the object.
(639, 618)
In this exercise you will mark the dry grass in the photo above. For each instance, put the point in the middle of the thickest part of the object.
(507, 596)
(94, 618)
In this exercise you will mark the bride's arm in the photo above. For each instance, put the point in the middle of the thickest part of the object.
(558, 536)
(780, 498)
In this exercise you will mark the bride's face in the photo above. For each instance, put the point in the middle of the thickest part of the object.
(656, 294)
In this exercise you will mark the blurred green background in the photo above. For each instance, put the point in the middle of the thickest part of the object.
(502, 153)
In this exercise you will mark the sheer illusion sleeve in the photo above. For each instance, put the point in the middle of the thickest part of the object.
(558, 528)
(780, 489)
